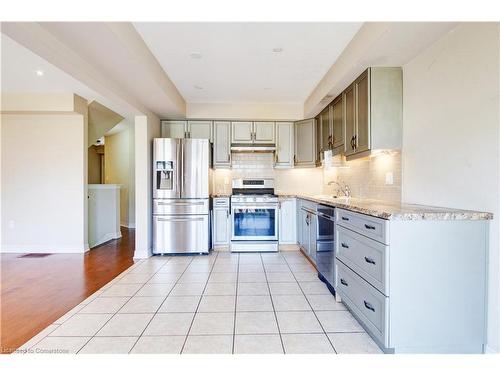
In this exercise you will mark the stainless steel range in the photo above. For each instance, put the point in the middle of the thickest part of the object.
(254, 214)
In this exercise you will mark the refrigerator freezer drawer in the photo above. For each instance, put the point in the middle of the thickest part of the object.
(180, 234)
(180, 206)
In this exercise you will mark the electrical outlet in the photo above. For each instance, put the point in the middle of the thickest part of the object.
(389, 178)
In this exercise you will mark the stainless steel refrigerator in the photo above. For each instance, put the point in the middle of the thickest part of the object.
(181, 196)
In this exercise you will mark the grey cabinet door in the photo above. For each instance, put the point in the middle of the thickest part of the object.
(305, 143)
(313, 231)
(326, 133)
(242, 132)
(349, 120)
(200, 130)
(264, 132)
(338, 122)
(222, 144)
(221, 226)
(304, 219)
(284, 145)
(173, 129)
(362, 90)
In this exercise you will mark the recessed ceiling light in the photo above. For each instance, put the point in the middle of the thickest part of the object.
(198, 87)
(39, 73)
(195, 55)
(277, 50)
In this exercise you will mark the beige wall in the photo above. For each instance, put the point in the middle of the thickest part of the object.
(244, 111)
(451, 134)
(146, 127)
(118, 169)
(44, 176)
(94, 165)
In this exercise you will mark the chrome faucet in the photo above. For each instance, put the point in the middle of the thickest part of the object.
(345, 190)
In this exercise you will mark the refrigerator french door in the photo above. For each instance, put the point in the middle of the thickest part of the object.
(180, 196)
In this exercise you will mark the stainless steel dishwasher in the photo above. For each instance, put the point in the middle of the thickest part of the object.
(325, 245)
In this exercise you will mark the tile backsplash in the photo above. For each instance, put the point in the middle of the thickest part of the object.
(366, 177)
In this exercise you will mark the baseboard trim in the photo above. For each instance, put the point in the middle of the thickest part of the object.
(106, 237)
(489, 350)
(128, 225)
(44, 249)
(142, 254)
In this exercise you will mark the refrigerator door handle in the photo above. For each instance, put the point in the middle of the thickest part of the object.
(181, 146)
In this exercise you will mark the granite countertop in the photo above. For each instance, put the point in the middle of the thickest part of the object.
(395, 210)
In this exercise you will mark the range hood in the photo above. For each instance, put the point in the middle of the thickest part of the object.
(253, 147)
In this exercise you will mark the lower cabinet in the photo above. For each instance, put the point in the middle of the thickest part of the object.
(221, 222)
(307, 226)
(416, 286)
(288, 221)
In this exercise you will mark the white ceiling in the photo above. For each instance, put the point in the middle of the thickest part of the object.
(237, 61)
(19, 66)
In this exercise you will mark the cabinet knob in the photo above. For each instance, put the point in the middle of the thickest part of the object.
(369, 226)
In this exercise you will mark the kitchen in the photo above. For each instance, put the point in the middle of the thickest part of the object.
(354, 243)
(292, 193)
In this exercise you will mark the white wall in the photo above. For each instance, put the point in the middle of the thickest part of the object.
(451, 134)
(118, 168)
(44, 179)
(146, 128)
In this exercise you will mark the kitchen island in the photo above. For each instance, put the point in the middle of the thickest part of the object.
(414, 276)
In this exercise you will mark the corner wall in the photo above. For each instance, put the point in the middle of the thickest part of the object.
(146, 128)
(44, 174)
(451, 134)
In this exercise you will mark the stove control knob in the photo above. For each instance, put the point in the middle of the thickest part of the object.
(254, 199)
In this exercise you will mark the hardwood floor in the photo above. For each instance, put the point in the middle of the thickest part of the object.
(37, 291)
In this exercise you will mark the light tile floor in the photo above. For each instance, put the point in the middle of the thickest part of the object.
(220, 303)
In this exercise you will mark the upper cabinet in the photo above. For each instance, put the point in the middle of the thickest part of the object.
(242, 132)
(186, 129)
(325, 134)
(264, 132)
(173, 129)
(337, 116)
(373, 111)
(222, 144)
(284, 145)
(253, 132)
(200, 130)
(305, 143)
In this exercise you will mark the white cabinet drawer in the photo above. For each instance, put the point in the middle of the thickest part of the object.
(221, 202)
(309, 205)
(368, 304)
(367, 257)
(368, 226)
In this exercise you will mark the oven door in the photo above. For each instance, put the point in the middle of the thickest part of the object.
(254, 222)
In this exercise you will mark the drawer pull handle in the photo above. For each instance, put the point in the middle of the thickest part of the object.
(369, 226)
(345, 218)
(343, 282)
(369, 260)
(369, 306)
(344, 245)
